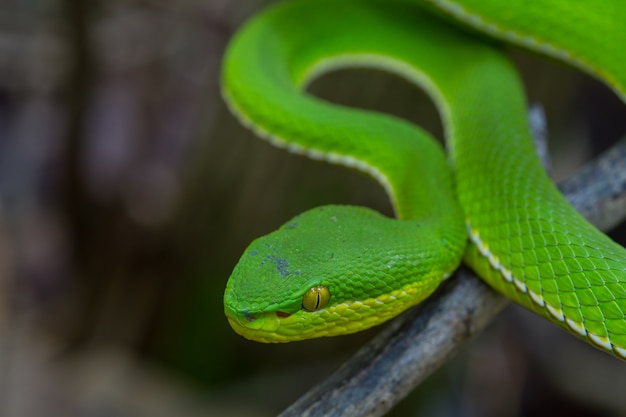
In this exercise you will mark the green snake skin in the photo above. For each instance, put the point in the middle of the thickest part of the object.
(340, 269)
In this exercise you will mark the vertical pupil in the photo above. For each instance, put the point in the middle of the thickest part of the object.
(316, 298)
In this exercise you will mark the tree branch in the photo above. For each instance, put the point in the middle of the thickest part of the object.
(598, 190)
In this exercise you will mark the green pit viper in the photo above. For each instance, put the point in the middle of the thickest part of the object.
(487, 201)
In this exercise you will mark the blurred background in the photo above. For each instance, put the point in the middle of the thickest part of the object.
(127, 194)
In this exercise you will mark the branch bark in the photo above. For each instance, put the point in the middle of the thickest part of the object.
(418, 342)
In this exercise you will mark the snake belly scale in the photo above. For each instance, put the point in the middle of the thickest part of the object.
(487, 201)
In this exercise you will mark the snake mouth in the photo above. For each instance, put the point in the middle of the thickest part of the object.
(249, 317)
(258, 326)
(253, 317)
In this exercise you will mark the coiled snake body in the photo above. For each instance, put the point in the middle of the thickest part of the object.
(488, 202)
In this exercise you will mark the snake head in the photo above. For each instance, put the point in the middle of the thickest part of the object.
(326, 272)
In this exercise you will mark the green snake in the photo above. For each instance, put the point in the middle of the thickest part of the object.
(486, 201)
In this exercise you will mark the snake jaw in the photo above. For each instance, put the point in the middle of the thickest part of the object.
(254, 326)
(342, 318)
(270, 327)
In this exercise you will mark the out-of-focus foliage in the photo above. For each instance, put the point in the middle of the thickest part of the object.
(127, 193)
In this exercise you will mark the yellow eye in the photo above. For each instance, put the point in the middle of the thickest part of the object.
(316, 298)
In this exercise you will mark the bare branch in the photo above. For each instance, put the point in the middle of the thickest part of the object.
(598, 190)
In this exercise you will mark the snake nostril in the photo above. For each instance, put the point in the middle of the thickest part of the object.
(282, 314)
(249, 317)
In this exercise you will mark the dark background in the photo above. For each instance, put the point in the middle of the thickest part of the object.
(127, 194)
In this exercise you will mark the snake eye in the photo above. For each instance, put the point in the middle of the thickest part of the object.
(316, 298)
